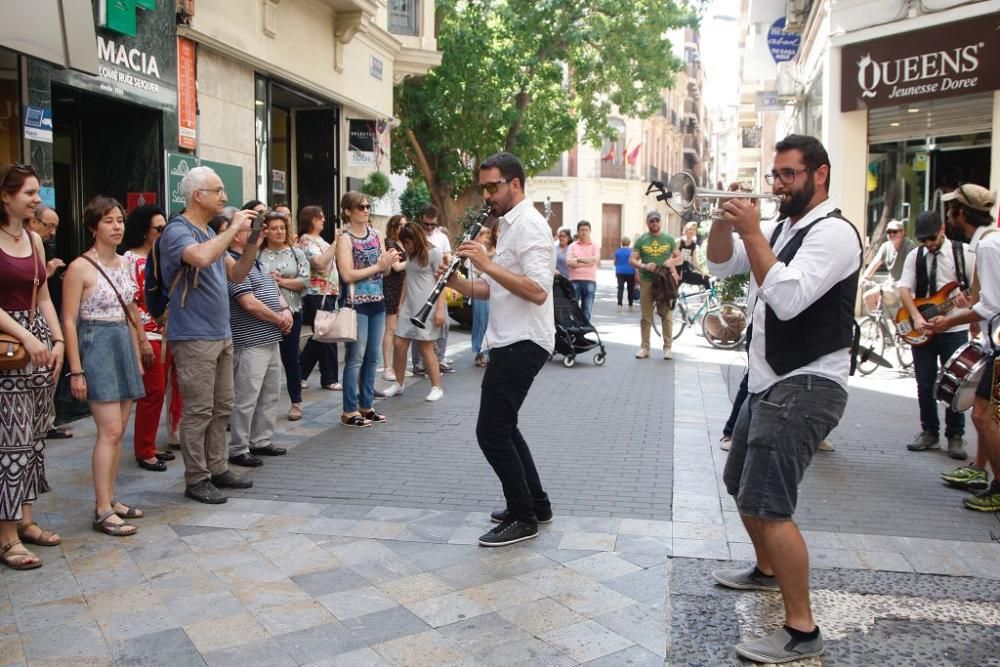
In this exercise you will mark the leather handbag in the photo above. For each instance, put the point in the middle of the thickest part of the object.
(13, 354)
(336, 326)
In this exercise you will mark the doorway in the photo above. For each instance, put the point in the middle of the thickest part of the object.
(611, 229)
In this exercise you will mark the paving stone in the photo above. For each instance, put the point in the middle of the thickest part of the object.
(643, 585)
(227, 632)
(586, 641)
(415, 588)
(166, 648)
(540, 616)
(334, 580)
(593, 599)
(318, 643)
(480, 635)
(357, 602)
(363, 657)
(527, 653)
(68, 611)
(447, 609)
(634, 656)
(425, 649)
(66, 644)
(602, 566)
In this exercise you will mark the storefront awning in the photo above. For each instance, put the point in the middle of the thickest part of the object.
(57, 31)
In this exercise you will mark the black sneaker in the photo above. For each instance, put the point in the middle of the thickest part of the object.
(205, 492)
(446, 368)
(499, 516)
(231, 480)
(508, 532)
(246, 460)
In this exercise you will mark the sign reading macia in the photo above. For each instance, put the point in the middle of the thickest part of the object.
(944, 61)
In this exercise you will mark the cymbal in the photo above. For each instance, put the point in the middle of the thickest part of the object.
(868, 354)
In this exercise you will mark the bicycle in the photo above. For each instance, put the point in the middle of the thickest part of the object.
(878, 329)
(723, 323)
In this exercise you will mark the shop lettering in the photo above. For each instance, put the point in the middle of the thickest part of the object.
(133, 58)
(130, 80)
(943, 65)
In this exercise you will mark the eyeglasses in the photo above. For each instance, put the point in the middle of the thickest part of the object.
(894, 231)
(363, 207)
(218, 191)
(786, 176)
(159, 228)
(492, 186)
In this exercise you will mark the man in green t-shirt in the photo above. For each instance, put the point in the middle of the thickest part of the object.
(653, 249)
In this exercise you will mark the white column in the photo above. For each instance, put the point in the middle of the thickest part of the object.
(845, 135)
(995, 148)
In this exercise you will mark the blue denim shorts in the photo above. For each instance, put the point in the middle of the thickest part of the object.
(108, 359)
(776, 436)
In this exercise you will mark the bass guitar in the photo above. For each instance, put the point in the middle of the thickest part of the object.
(936, 304)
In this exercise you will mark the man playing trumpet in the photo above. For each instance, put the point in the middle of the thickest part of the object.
(805, 278)
(520, 336)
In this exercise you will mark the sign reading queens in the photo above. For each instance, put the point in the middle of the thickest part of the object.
(944, 61)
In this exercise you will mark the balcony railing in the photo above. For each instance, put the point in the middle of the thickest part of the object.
(404, 17)
(611, 170)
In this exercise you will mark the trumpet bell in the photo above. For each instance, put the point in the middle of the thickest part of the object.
(683, 192)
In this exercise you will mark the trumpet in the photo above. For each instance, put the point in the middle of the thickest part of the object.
(420, 319)
(684, 196)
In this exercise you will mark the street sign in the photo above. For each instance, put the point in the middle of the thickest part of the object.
(782, 44)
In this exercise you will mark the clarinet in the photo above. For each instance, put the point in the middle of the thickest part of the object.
(420, 319)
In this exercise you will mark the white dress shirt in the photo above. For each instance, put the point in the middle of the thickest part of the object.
(524, 247)
(987, 250)
(440, 241)
(829, 253)
(946, 271)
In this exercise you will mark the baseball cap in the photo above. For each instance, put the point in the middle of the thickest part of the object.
(894, 225)
(928, 224)
(653, 214)
(974, 196)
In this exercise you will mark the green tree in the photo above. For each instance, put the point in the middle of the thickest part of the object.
(413, 199)
(520, 75)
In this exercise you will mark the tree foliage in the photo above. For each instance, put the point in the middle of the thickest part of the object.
(519, 75)
(414, 199)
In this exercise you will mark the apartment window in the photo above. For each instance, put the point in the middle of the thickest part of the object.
(403, 17)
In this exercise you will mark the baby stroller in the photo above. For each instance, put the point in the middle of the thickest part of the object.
(571, 327)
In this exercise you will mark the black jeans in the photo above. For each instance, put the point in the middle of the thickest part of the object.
(692, 277)
(313, 352)
(506, 382)
(626, 282)
(290, 359)
(741, 396)
(925, 364)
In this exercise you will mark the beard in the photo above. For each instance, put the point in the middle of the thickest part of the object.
(797, 202)
(955, 233)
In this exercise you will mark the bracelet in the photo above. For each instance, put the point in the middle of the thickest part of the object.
(77, 374)
(58, 340)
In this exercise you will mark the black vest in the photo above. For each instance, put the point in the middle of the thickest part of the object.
(923, 280)
(824, 327)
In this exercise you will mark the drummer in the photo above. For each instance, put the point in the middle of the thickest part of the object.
(889, 257)
(968, 212)
(926, 269)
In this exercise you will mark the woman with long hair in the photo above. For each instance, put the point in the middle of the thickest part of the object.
(290, 269)
(392, 287)
(362, 261)
(142, 228)
(423, 260)
(27, 314)
(565, 238)
(322, 282)
(100, 319)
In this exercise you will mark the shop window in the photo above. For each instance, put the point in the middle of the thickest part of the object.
(10, 118)
(403, 17)
(262, 131)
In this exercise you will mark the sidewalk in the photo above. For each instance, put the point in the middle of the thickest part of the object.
(358, 547)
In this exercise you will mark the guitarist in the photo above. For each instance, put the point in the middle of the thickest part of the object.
(936, 262)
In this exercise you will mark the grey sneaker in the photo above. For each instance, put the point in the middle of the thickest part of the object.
(780, 647)
(926, 440)
(956, 448)
(746, 579)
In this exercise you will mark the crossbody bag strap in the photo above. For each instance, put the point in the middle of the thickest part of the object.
(35, 282)
(128, 314)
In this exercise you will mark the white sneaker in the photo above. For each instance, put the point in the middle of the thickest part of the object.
(408, 373)
(394, 389)
(389, 375)
(643, 353)
(826, 446)
(435, 394)
(668, 354)
(304, 384)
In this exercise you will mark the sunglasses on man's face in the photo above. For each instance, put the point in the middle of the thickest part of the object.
(492, 186)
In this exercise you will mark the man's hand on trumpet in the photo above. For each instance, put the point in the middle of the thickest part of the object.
(742, 214)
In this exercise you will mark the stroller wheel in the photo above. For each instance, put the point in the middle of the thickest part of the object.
(599, 359)
(569, 362)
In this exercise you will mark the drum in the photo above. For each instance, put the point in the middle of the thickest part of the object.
(958, 378)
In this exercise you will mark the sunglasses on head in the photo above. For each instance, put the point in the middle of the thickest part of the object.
(6, 169)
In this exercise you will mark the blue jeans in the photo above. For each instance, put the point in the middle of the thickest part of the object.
(925, 365)
(585, 292)
(480, 316)
(362, 360)
(290, 359)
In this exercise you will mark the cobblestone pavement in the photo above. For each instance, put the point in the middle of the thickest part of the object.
(358, 548)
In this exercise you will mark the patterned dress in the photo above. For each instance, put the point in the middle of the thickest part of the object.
(25, 396)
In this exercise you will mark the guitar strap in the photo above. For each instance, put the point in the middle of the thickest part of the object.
(958, 252)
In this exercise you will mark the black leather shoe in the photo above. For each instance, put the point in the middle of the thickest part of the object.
(499, 516)
(165, 456)
(246, 460)
(205, 492)
(158, 466)
(270, 450)
(231, 480)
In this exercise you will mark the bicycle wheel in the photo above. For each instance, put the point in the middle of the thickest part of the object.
(724, 325)
(680, 319)
(904, 352)
(872, 339)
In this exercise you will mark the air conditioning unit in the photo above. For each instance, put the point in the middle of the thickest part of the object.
(796, 15)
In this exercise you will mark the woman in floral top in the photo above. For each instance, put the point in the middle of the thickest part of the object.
(322, 282)
(141, 230)
(362, 261)
(290, 269)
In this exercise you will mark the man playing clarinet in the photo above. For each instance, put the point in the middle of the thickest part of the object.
(520, 336)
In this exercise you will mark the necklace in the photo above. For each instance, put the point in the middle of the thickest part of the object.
(16, 237)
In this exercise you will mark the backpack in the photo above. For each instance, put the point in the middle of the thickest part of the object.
(157, 292)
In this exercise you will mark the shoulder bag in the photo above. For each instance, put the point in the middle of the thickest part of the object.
(336, 326)
(13, 355)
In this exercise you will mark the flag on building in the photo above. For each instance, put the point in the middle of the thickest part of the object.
(634, 155)
(610, 155)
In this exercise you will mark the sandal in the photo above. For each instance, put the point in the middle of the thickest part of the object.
(17, 561)
(46, 538)
(355, 420)
(129, 512)
(58, 433)
(375, 417)
(165, 456)
(102, 525)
